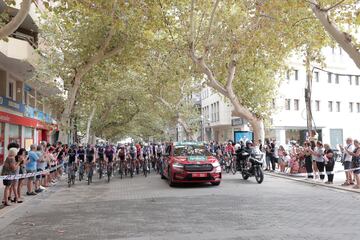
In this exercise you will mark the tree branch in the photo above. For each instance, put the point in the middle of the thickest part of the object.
(334, 6)
(16, 21)
(192, 27)
(207, 45)
(342, 38)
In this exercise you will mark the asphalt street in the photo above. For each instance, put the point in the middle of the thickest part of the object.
(147, 208)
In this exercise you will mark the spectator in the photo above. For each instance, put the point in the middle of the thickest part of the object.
(308, 159)
(40, 166)
(347, 159)
(329, 163)
(22, 159)
(274, 154)
(9, 168)
(319, 159)
(31, 167)
(284, 158)
(268, 155)
(356, 162)
(314, 166)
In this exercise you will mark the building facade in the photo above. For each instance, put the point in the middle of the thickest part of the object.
(25, 118)
(335, 104)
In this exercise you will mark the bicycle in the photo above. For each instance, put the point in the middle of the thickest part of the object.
(100, 168)
(145, 166)
(109, 170)
(122, 169)
(233, 165)
(90, 172)
(71, 174)
(130, 167)
(81, 171)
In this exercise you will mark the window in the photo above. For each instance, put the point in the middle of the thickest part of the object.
(351, 106)
(329, 77)
(330, 106)
(296, 104)
(316, 76)
(337, 78)
(11, 90)
(317, 105)
(350, 79)
(338, 106)
(333, 50)
(287, 104)
(358, 107)
(357, 80)
(296, 74)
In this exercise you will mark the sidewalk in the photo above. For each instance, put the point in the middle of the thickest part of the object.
(339, 178)
(25, 198)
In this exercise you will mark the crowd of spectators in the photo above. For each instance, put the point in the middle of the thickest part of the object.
(315, 159)
(42, 159)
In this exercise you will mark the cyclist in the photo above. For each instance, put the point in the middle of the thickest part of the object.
(121, 155)
(109, 155)
(132, 154)
(100, 152)
(90, 158)
(72, 160)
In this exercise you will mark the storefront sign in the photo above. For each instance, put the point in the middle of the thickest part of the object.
(237, 122)
(23, 121)
(8, 103)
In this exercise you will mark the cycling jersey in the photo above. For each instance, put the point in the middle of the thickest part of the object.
(90, 153)
(101, 153)
(72, 156)
(81, 154)
(109, 154)
(230, 149)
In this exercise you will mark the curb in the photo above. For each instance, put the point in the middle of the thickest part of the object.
(313, 183)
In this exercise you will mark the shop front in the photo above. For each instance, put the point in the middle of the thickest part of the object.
(2, 142)
(15, 134)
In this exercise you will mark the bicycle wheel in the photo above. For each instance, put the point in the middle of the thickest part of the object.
(69, 179)
(145, 169)
(233, 166)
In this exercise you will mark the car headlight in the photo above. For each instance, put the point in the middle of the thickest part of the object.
(216, 164)
(178, 165)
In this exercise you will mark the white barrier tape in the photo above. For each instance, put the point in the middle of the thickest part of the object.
(315, 173)
(27, 175)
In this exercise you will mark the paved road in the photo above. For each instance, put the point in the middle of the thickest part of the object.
(142, 208)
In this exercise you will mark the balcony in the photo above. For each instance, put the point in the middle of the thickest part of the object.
(19, 57)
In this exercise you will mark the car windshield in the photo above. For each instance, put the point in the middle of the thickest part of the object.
(191, 150)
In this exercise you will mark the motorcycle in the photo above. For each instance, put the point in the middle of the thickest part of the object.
(251, 165)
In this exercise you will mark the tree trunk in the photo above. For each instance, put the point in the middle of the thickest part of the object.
(15, 23)
(343, 39)
(308, 91)
(87, 137)
(184, 125)
(65, 116)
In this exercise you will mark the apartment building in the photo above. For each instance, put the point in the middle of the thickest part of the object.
(335, 104)
(24, 116)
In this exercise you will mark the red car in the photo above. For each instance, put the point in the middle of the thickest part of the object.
(191, 163)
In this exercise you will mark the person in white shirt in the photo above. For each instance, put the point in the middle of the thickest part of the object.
(347, 159)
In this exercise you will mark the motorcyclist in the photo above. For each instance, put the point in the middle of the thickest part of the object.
(242, 153)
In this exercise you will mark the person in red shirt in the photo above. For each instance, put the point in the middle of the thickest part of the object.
(230, 148)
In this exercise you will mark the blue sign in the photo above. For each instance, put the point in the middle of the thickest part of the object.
(8, 103)
(27, 88)
(243, 136)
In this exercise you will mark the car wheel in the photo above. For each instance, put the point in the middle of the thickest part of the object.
(215, 183)
(170, 180)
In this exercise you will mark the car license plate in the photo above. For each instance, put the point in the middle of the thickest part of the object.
(199, 175)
